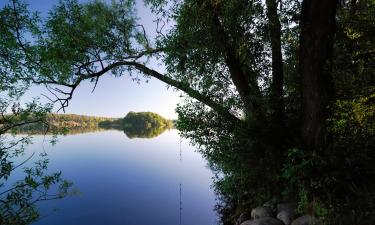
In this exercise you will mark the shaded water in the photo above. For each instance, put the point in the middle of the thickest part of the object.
(158, 181)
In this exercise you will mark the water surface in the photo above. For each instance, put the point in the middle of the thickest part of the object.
(157, 181)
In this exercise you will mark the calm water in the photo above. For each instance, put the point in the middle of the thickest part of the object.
(129, 181)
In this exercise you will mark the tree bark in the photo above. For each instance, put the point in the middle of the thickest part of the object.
(316, 47)
(276, 95)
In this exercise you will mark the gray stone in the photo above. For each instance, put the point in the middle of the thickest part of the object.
(263, 221)
(288, 207)
(306, 220)
(285, 216)
(260, 212)
(243, 217)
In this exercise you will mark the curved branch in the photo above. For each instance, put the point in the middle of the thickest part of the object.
(220, 109)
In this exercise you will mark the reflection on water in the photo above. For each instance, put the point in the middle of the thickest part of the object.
(149, 132)
(25, 181)
(130, 132)
(129, 181)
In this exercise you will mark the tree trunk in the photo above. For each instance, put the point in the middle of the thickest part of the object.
(276, 95)
(243, 79)
(316, 46)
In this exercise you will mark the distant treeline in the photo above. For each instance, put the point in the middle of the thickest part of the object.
(140, 124)
(134, 124)
(140, 120)
(73, 120)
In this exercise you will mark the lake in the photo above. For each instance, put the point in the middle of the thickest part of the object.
(156, 181)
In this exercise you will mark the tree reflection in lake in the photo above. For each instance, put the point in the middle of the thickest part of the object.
(19, 198)
(24, 178)
(130, 132)
(19, 195)
(145, 132)
(140, 129)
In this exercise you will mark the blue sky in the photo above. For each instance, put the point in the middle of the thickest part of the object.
(114, 97)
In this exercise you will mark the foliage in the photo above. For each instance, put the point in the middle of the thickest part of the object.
(62, 124)
(72, 123)
(72, 120)
(338, 179)
(19, 198)
(18, 202)
(140, 124)
(19, 195)
(145, 120)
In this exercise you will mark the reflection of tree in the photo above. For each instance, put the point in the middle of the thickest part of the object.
(18, 201)
(144, 132)
(18, 197)
(60, 130)
(67, 124)
(131, 131)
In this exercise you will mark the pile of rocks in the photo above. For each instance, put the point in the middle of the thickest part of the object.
(283, 214)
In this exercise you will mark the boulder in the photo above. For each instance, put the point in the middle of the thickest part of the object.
(243, 217)
(306, 220)
(285, 216)
(263, 221)
(260, 212)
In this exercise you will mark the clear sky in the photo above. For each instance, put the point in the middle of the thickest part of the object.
(114, 97)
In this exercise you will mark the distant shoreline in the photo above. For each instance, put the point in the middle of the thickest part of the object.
(134, 124)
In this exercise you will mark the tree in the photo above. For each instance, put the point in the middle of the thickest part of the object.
(316, 50)
(19, 195)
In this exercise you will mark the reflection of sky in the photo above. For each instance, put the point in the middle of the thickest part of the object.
(114, 97)
(129, 181)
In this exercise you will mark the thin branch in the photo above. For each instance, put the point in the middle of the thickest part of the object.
(144, 34)
(25, 161)
(13, 144)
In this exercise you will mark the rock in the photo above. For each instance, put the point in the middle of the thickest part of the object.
(288, 207)
(243, 217)
(306, 220)
(285, 216)
(260, 212)
(263, 221)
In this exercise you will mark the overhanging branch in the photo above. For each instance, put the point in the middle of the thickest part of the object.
(220, 109)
